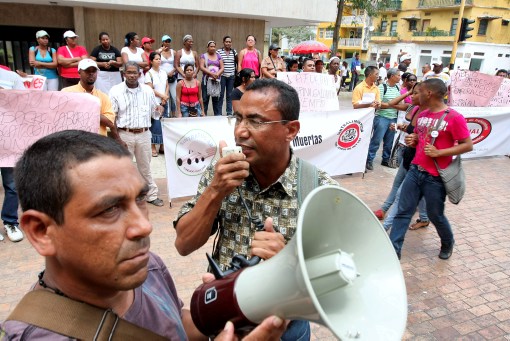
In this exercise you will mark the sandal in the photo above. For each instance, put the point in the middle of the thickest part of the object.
(156, 202)
(155, 154)
(419, 224)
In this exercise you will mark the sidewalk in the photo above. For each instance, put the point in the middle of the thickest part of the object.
(465, 297)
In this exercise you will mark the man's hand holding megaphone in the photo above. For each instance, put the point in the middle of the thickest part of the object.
(267, 243)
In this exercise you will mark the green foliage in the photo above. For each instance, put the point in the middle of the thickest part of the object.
(372, 7)
(294, 34)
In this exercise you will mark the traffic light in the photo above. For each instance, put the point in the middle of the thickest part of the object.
(464, 29)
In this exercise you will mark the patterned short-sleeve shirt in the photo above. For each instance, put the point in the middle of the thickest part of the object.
(279, 201)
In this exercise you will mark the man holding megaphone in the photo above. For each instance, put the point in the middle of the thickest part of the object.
(270, 182)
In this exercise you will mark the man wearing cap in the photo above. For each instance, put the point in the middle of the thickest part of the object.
(88, 69)
(68, 57)
(273, 63)
(229, 57)
(355, 69)
(405, 62)
(437, 72)
(135, 104)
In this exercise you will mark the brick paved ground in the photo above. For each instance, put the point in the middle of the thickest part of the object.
(464, 298)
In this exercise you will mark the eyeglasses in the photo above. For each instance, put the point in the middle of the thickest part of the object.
(254, 124)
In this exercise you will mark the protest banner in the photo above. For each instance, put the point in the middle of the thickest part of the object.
(335, 141)
(489, 130)
(316, 91)
(26, 116)
(34, 82)
(475, 89)
(502, 97)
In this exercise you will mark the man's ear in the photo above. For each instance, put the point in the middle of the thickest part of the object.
(292, 129)
(38, 228)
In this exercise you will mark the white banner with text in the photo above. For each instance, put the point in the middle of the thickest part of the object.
(335, 141)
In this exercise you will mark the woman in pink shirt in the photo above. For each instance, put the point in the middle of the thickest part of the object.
(250, 57)
(68, 57)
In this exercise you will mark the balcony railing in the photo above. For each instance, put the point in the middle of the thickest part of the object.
(353, 20)
(393, 6)
(384, 34)
(437, 33)
(441, 3)
(349, 42)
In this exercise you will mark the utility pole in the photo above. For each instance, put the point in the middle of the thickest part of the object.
(457, 35)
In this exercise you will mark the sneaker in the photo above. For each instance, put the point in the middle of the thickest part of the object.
(13, 232)
(379, 214)
(156, 202)
(369, 165)
(385, 164)
(446, 250)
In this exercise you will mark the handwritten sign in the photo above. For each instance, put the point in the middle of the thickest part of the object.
(502, 96)
(26, 116)
(473, 89)
(316, 91)
(34, 82)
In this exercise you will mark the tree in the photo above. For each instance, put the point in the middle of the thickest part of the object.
(371, 7)
(294, 34)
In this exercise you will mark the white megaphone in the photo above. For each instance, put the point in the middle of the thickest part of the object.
(340, 270)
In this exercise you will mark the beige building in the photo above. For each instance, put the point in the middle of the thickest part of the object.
(204, 19)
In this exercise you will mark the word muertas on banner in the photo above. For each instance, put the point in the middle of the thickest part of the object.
(26, 116)
(34, 82)
(316, 90)
(335, 141)
(476, 89)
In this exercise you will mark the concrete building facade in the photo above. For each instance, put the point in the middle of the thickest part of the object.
(205, 20)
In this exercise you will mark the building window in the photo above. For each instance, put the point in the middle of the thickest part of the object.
(393, 27)
(453, 26)
(504, 22)
(425, 24)
(482, 28)
(412, 25)
(329, 33)
(321, 32)
(384, 26)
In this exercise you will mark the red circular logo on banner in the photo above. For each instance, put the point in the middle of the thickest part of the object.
(479, 128)
(349, 135)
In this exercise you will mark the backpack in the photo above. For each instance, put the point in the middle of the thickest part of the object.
(386, 88)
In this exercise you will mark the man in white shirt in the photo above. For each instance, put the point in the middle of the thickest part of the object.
(437, 72)
(134, 104)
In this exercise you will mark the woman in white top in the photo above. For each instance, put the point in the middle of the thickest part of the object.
(186, 56)
(167, 64)
(133, 52)
(157, 79)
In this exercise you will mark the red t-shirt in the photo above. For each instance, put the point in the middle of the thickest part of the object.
(77, 51)
(452, 129)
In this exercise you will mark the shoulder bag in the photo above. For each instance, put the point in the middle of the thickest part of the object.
(453, 176)
(75, 319)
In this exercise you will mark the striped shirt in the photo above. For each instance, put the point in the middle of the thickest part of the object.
(391, 93)
(134, 107)
(229, 63)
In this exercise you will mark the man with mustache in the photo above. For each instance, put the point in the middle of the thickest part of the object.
(86, 214)
(266, 173)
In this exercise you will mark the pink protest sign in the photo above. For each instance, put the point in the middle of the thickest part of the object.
(502, 96)
(26, 116)
(472, 88)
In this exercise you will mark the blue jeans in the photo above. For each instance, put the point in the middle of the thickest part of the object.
(185, 110)
(297, 330)
(228, 83)
(10, 205)
(215, 101)
(418, 184)
(381, 131)
(390, 216)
